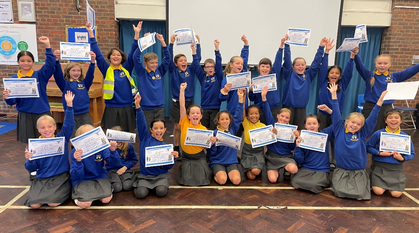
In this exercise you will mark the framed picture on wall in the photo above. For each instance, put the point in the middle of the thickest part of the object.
(26, 11)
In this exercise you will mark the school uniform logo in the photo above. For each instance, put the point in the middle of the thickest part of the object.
(122, 74)
(388, 79)
(157, 77)
(80, 86)
(98, 158)
(354, 138)
(186, 74)
(213, 79)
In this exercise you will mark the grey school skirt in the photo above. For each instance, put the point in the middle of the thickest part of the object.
(81, 119)
(91, 190)
(127, 177)
(56, 189)
(194, 170)
(124, 117)
(276, 161)
(252, 157)
(151, 182)
(354, 184)
(313, 181)
(388, 176)
(26, 125)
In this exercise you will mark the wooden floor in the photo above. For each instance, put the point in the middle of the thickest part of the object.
(251, 207)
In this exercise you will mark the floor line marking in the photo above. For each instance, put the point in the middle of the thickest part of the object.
(10, 203)
(411, 197)
(14, 186)
(197, 207)
(411, 189)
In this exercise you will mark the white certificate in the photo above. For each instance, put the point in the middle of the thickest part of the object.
(395, 142)
(401, 91)
(239, 80)
(298, 36)
(262, 136)
(226, 139)
(361, 33)
(91, 142)
(260, 82)
(46, 147)
(146, 41)
(313, 140)
(75, 51)
(21, 87)
(348, 45)
(159, 155)
(6, 12)
(185, 36)
(120, 136)
(90, 15)
(285, 132)
(198, 137)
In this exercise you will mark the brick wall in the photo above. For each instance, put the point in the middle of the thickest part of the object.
(51, 18)
(401, 39)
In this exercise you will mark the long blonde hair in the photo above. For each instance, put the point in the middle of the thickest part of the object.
(372, 80)
(70, 66)
(227, 70)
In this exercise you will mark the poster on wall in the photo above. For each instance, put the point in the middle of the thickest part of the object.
(15, 38)
(6, 11)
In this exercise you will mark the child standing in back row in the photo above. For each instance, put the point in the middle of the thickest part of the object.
(210, 83)
(297, 83)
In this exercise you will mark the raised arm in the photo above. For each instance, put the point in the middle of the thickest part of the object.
(314, 67)
(266, 109)
(287, 66)
(101, 61)
(47, 70)
(365, 73)
(195, 66)
(129, 63)
(58, 73)
(182, 100)
(90, 74)
(165, 61)
(218, 61)
(348, 72)
(172, 66)
(142, 127)
(68, 124)
(245, 52)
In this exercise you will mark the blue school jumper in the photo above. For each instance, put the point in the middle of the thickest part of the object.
(177, 77)
(91, 168)
(146, 140)
(80, 89)
(150, 84)
(231, 97)
(37, 105)
(225, 155)
(373, 146)
(55, 165)
(372, 94)
(297, 87)
(278, 147)
(210, 85)
(122, 96)
(324, 94)
(350, 149)
(315, 160)
(272, 96)
(130, 160)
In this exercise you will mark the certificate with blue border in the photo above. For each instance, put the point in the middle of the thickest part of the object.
(226, 139)
(262, 136)
(198, 137)
(285, 133)
(75, 51)
(298, 36)
(159, 155)
(21, 87)
(313, 140)
(91, 142)
(46, 147)
(267, 80)
(239, 80)
(395, 142)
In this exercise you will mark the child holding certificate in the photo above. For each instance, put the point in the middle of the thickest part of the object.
(156, 177)
(376, 82)
(150, 80)
(326, 77)
(52, 183)
(314, 172)
(387, 166)
(30, 109)
(119, 173)
(265, 67)
(193, 170)
(223, 159)
(350, 179)
(74, 81)
(210, 83)
(237, 64)
(297, 83)
(278, 157)
(88, 175)
(119, 87)
(179, 73)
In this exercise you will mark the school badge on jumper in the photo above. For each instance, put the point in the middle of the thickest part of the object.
(158, 77)
(98, 158)
(304, 77)
(354, 138)
(122, 74)
(80, 86)
(186, 74)
(388, 79)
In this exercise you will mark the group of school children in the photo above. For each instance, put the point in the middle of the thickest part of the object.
(89, 179)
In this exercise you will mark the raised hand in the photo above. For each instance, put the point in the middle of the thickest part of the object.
(285, 38)
(173, 38)
(329, 45)
(69, 97)
(245, 40)
(45, 40)
(137, 100)
(57, 54)
(183, 86)
(92, 57)
(323, 41)
(217, 44)
(381, 99)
